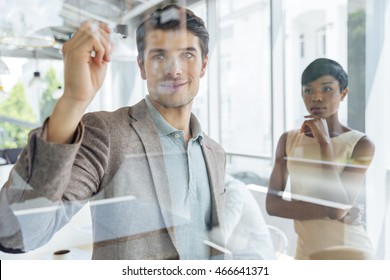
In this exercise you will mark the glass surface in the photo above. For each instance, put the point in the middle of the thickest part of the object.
(20, 38)
(325, 36)
(311, 29)
(28, 100)
(354, 33)
(245, 77)
(201, 106)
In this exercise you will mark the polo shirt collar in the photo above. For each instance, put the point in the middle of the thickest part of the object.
(165, 129)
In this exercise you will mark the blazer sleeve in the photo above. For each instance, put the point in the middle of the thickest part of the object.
(50, 183)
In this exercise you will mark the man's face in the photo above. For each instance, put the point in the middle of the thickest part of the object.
(172, 67)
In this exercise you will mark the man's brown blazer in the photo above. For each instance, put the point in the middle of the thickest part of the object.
(117, 165)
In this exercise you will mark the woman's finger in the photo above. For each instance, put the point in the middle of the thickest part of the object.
(306, 126)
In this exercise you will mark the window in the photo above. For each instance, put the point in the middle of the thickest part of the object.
(353, 33)
(312, 30)
(321, 42)
(243, 81)
(302, 45)
(245, 78)
(201, 106)
(26, 105)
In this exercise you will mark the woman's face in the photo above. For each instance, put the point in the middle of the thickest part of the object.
(322, 97)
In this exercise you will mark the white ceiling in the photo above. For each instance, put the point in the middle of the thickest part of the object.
(63, 17)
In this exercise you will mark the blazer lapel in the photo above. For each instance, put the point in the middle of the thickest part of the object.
(215, 181)
(146, 130)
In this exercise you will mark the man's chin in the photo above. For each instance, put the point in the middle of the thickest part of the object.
(174, 102)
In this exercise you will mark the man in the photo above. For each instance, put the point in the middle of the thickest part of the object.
(154, 180)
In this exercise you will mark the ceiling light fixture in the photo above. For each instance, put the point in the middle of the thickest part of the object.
(121, 41)
(121, 44)
(58, 92)
(36, 81)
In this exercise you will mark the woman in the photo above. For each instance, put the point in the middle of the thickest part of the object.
(326, 162)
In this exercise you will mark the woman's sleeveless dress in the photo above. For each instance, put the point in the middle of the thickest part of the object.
(303, 158)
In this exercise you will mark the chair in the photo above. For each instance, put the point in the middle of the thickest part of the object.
(3, 161)
(279, 241)
(10, 155)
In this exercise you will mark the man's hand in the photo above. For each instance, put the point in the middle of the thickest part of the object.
(86, 57)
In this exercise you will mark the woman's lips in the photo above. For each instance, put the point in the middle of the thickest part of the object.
(317, 110)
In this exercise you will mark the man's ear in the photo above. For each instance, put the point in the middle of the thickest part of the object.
(204, 65)
(141, 68)
(344, 93)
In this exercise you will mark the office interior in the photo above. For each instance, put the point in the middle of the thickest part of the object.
(250, 95)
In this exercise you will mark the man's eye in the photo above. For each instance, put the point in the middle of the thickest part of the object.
(187, 55)
(307, 90)
(158, 57)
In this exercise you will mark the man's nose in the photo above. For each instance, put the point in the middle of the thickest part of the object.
(174, 67)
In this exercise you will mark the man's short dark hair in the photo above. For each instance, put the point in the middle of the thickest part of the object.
(324, 66)
(173, 17)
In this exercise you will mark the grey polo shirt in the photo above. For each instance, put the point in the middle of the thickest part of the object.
(190, 190)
